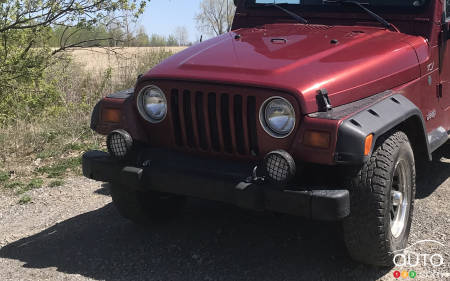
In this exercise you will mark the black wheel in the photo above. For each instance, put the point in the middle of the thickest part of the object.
(382, 202)
(143, 207)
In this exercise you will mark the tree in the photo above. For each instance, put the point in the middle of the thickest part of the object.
(141, 39)
(215, 16)
(182, 35)
(171, 41)
(26, 31)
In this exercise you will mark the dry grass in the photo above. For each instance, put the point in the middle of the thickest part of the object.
(120, 61)
(99, 59)
(50, 146)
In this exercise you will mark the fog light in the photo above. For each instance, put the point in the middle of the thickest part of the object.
(119, 143)
(279, 166)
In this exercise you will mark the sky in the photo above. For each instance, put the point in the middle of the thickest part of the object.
(164, 16)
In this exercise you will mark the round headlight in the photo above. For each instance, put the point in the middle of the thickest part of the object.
(152, 104)
(278, 117)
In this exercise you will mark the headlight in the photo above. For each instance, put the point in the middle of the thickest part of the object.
(278, 117)
(152, 104)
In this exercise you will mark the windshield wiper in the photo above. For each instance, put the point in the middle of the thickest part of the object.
(384, 22)
(292, 14)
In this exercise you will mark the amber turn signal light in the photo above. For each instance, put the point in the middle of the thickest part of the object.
(111, 115)
(317, 139)
(368, 144)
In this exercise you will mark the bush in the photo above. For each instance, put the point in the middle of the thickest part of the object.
(54, 129)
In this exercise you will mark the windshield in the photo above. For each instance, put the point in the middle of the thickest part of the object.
(373, 3)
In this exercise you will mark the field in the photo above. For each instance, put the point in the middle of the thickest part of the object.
(123, 64)
(120, 60)
(42, 150)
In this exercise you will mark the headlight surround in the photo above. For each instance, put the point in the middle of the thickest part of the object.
(152, 104)
(277, 116)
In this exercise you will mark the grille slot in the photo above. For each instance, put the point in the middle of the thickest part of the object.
(212, 114)
(214, 122)
(201, 124)
(251, 123)
(239, 125)
(189, 124)
(174, 102)
(225, 118)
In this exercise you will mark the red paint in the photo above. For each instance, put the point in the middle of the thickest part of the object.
(367, 59)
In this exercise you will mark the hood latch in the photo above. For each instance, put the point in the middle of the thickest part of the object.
(323, 102)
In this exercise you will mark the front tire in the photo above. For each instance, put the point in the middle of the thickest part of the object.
(382, 202)
(143, 207)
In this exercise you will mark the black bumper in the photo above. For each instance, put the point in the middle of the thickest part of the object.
(216, 180)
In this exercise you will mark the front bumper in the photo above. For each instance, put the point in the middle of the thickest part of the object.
(218, 180)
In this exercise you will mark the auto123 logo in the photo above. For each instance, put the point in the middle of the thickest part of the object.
(415, 259)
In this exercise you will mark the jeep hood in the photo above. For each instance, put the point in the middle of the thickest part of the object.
(350, 62)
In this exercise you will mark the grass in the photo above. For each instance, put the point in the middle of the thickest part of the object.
(33, 184)
(4, 177)
(50, 144)
(25, 199)
(56, 183)
(60, 168)
(14, 185)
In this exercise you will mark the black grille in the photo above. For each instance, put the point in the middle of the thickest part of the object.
(214, 122)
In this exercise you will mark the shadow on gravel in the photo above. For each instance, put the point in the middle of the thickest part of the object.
(434, 173)
(104, 190)
(210, 241)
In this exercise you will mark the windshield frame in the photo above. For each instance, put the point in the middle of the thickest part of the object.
(320, 7)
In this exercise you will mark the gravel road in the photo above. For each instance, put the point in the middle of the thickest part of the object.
(74, 233)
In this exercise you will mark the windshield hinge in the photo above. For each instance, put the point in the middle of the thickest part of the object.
(323, 102)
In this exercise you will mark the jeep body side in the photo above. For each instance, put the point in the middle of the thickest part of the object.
(239, 118)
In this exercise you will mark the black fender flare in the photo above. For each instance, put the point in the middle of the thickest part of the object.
(393, 111)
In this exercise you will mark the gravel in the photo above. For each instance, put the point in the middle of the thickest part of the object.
(73, 232)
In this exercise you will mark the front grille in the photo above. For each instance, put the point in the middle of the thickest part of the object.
(214, 122)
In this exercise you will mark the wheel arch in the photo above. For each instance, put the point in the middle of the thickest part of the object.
(413, 128)
(393, 112)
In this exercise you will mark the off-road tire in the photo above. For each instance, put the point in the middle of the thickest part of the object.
(144, 207)
(367, 231)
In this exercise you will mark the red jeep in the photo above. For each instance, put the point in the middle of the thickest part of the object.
(359, 88)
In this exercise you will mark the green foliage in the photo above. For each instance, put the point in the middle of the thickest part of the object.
(60, 168)
(56, 183)
(14, 184)
(4, 177)
(33, 184)
(92, 36)
(61, 133)
(28, 30)
(25, 199)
